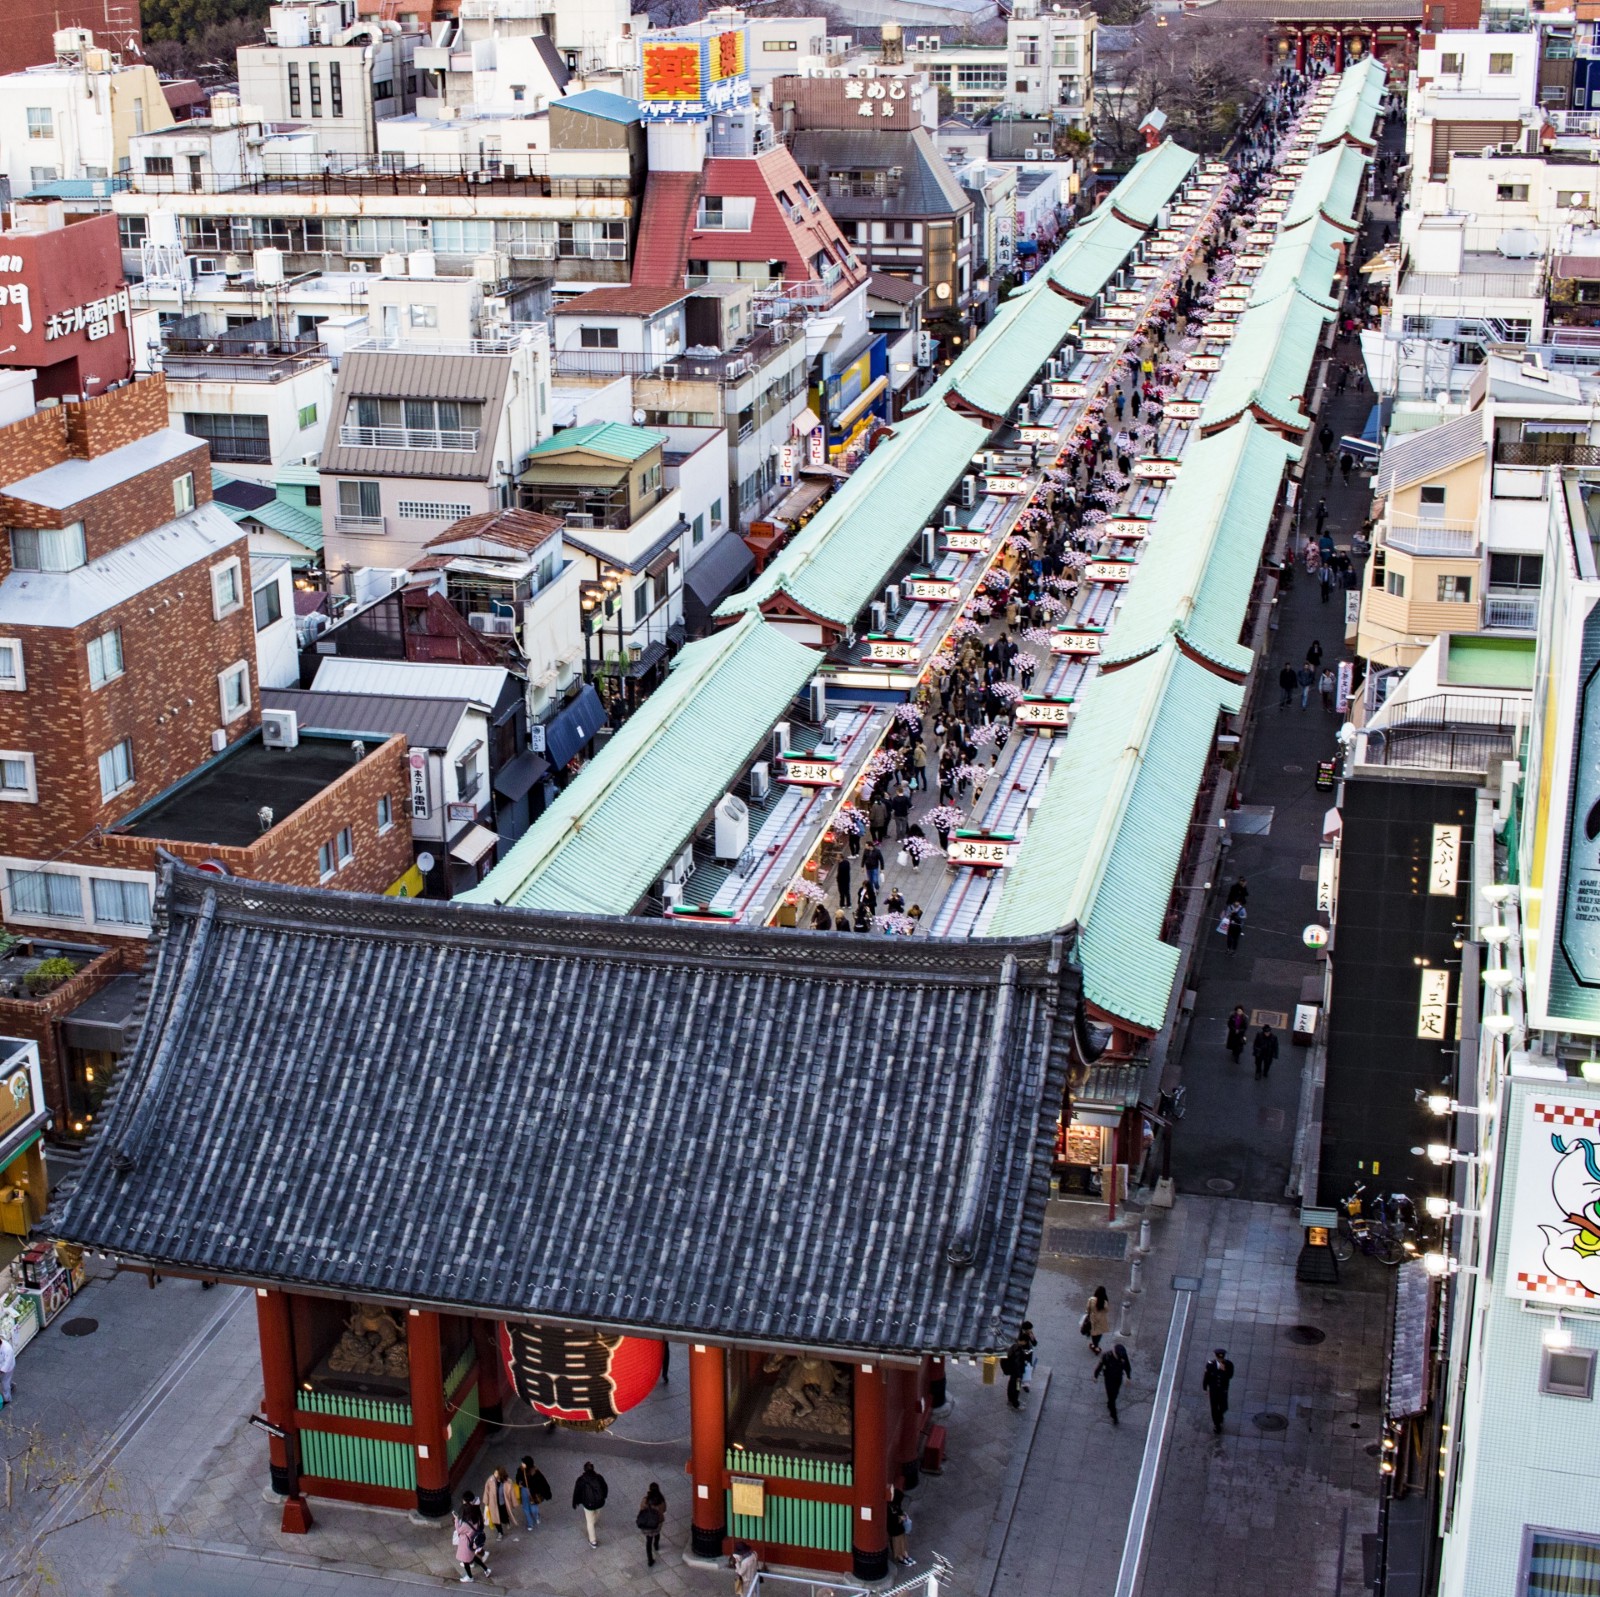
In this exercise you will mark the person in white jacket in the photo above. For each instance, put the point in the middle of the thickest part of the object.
(8, 1363)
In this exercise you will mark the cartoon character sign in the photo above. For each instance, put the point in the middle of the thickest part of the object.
(1555, 1226)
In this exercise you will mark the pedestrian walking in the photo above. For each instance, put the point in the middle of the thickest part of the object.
(1325, 437)
(1325, 581)
(1014, 1365)
(1234, 930)
(1239, 893)
(1321, 516)
(899, 1523)
(1238, 1031)
(1346, 465)
(878, 818)
(496, 1500)
(746, 1566)
(589, 1492)
(8, 1365)
(1265, 1049)
(651, 1517)
(1286, 685)
(1096, 1319)
(1215, 1382)
(1113, 1369)
(1306, 677)
(534, 1489)
(1314, 654)
(842, 880)
(872, 864)
(1325, 686)
(467, 1534)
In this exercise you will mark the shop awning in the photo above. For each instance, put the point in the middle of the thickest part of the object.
(1106, 1092)
(515, 779)
(567, 732)
(803, 497)
(721, 569)
(473, 844)
(103, 1022)
(848, 415)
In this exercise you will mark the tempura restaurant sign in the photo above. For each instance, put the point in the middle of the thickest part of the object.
(1444, 861)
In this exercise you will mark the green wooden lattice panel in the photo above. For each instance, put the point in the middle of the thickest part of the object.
(795, 1522)
(359, 1459)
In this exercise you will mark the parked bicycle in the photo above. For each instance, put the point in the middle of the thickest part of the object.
(1172, 1104)
(1383, 1226)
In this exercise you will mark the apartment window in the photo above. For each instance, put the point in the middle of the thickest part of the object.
(383, 90)
(1570, 199)
(294, 89)
(40, 175)
(308, 415)
(269, 606)
(467, 774)
(131, 232)
(423, 316)
(314, 499)
(336, 89)
(649, 481)
(324, 861)
(232, 437)
(116, 769)
(598, 241)
(597, 337)
(314, 77)
(105, 658)
(385, 813)
(734, 213)
(716, 512)
(1455, 590)
(138, 114)
(384, 235)
(1450, 65)
(361, 501)
(779, 46)
(226, 594)
(1559, 1564)
(158, 166)
(233, 686)
(1430, 499)
(183, 494)
(698, 536)
(41, 124)
(17, 785)
(12, 677)
(519, 91)
(53, 895)
(462, 238)
(1395, 583)
(1501, 63)
(641, 601)
(1518, 573)
(345, 846)
(1569, 1372)
(48, 548)
(526, 240)
(119, 903)
(1511, 193)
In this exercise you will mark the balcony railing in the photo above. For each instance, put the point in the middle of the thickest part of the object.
(1429, 537)
(360, 526)
(184, 368)
(1446, 732)
(495, 344)
(604, 363)
(1512, 612)
(461, 440)
(1545, 452)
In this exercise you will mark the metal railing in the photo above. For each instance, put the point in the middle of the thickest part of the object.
(492, 344)
(1514, 613)
(360, 526)
(461, 440)
(1473, 285)
(1422, 536)
(1446, 732)
(237, 368)
(604, 363)
(383, 174)
(1545, 452)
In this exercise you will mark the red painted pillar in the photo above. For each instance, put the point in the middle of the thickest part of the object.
(1300, 51)
(937, 1395)
(276, 1331)
(1338, 52)
(708, 1439)
(912, 1410)
(430, 1425)
(491, 1383)
(870, 1540)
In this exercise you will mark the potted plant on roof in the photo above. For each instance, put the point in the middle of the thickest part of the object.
(48, 975)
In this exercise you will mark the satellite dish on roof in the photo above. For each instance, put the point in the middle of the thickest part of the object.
(424, 863)
(1519, 245)
(638, 418)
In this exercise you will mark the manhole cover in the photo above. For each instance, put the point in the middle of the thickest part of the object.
(1218, 1185)
(82, 1326)
(1074, 1242)
(1269, 1422)
(1308, 1334)
(1371, 1450)
(1294, 770)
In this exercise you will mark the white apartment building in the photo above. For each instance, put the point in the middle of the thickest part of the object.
(75, 117)
(337, 76)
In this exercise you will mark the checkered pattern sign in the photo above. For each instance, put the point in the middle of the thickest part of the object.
(1583, 1117)
(1555, 1211)
(1536, 1284)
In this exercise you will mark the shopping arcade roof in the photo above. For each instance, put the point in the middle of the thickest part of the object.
(818, 1141)
(1268, 366)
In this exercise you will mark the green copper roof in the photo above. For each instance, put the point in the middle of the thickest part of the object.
(1330, 187)
(1094, 253)
(1003, 369)
(1152, 181)
(608, 438)
(601, 846)
(1199, 567)
(282, 515)
(849, 549)
(1304, 260)
(1103, 848)
(1268, 364)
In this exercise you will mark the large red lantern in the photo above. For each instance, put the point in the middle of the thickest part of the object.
(579, 1378)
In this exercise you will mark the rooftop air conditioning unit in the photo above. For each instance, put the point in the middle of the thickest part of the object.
(682, 868)
(280, 729)
(952, 517)
(830, 734)
(891, 594)
(1024, 414)
(731, 828)
(760, 782)
(1030, 155)
(580, 521)
(819, 699)
(880, 617)
(969, 492)
(479, 620)
(1036, 396)
(671, 894)
(781, 733)
(929, 546)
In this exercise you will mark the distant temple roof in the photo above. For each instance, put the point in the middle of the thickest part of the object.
(808, 1139)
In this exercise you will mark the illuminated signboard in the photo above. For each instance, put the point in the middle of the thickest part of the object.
(1129, 529)
(1203, 363)
(932, 590)
(1067, 390)
(966, 543)
(1240, 291)
(1444, 861)
(1120, 313)
(1147, 273)
(1218, 332)
(892, 651)
(1002, 486)
(1550, 1255)
(1433, 1005)
(1108, 571)
(983, 852)
(1099, 346)
(1265, 240)
(1182, 409)
(1127, 296)
(1036, 435)
(1155, 470)
(672, 72)
(1162, 250)
(1273, 207)
(1044, 712)
(804, 770)
(691, 76)
(1251, 262)
(1069, 642)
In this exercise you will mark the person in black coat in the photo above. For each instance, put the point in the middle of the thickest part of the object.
(1113, 1368)
(589, 1492)
(1215, 1383)
(1265, 1049)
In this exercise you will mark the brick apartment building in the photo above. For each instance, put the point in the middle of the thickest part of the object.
(129, 719)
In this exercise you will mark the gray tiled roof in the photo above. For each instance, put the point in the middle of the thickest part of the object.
(812, 1139)
(427, 723)
(926, 186)
(1417, 456)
